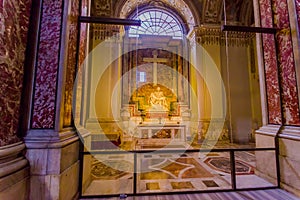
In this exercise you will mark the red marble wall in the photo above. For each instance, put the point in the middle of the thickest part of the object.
(282, 91)
(44, 99)
(14, 23)
(272, 82)
(289, 96)
(48, 61)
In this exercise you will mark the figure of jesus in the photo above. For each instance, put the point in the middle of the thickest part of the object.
(158, 98)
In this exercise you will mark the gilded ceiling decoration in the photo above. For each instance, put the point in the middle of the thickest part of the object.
(102, 7)
(210, 12)
(194, 12)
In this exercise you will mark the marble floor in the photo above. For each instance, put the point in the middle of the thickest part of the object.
(271, 194)
(112, 173)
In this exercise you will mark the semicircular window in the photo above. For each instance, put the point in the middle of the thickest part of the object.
(157, 22)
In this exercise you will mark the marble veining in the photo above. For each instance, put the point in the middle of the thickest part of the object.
(266, 14)
(272, 82)
(286, 63)
(14, 23)
(47, 65)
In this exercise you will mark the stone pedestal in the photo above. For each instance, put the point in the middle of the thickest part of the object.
(289, 160)
(266, 160)
(54, 166)
(14, 172)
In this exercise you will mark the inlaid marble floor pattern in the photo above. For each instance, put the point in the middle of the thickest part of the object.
(171, 172)
(166, 172)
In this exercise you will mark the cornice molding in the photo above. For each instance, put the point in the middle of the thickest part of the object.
(212, 35)
(11, 158)
(37, 139)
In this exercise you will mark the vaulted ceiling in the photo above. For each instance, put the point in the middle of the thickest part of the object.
(205, 12)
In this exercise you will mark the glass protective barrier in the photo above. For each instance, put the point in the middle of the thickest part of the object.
(164, 105)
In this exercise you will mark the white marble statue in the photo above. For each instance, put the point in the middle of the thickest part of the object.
(157, 99)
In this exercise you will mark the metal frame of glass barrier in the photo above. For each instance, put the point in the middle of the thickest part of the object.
(232, 167)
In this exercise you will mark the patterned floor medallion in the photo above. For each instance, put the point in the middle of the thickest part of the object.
(110, 169)
(173, 169)
(223, 164)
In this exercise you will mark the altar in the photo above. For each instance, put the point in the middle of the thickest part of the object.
(156, 99)
(153, 136)
(171, 131)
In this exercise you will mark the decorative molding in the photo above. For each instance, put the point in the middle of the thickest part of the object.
(290, 132)
(102, 8)
(102, 32)
(14, 172)
(215, 36)
(271, 130)
(38, 139)
(11, 159)
(213, 11)
(286, 132)
(248, 29)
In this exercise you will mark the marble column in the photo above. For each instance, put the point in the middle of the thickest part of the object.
(51, 139)
(279, 65)
(14, 168)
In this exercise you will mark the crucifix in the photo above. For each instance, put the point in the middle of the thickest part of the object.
(155, 60)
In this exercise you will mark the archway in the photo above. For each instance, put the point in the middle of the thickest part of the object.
(129, 120)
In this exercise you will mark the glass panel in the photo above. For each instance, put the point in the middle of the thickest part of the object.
(98, 131)
(107, 174)
(240, 74)
(174, 172)
(140, 90)
(255, 169)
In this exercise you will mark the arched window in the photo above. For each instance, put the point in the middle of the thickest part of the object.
(157, 22)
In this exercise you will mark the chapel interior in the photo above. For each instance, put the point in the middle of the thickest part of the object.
(116, 99)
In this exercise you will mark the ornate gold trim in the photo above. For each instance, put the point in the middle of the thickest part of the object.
(215, 36)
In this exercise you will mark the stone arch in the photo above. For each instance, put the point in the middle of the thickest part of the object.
(176, 21)
(186, 10)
